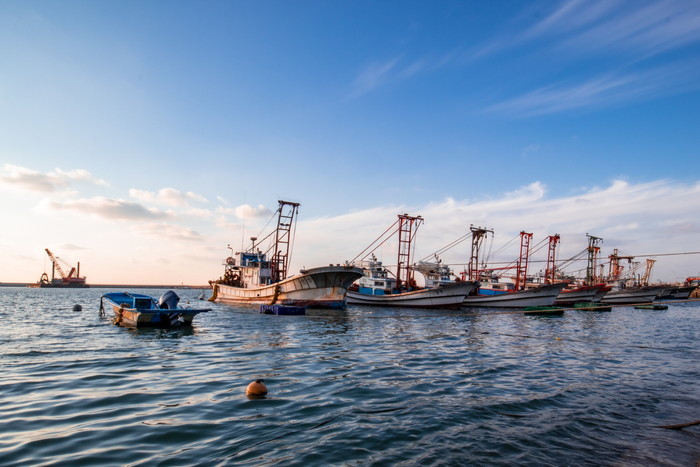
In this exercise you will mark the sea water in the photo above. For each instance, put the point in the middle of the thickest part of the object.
(365, 386)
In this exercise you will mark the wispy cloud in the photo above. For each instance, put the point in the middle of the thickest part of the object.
(167, 196)
(604, 91)
(55, 181)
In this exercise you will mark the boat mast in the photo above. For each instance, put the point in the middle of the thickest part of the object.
(478, 235)
(280, 259)
(521, 269)
(408, 226)
(593, 250)
(647, 272)
(551, 269)
(615, 271)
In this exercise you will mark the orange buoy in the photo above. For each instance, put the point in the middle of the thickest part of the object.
(256, 389)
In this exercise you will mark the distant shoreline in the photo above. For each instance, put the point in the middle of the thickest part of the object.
(110, 286)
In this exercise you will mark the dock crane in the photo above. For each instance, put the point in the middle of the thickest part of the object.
(72, 279)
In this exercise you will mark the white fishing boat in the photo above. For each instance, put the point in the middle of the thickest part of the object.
(495, 292)
(251, 278)
(632, 295)
(504, 295)
(676, 292)
(377, 287)
(577, 294)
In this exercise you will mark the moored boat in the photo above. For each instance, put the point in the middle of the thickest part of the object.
(543, 295)
(676, 293)
(251, 278)
(139, 310)
(377, 287)
(632, 295)
(587, 293)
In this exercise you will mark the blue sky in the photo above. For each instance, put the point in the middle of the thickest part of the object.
(134, 134)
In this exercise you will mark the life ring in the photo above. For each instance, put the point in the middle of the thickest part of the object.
(230, 260)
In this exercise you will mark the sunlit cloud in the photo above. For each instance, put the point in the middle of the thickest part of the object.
(58, 180)
(167, 196)
(245, 211)
(633, 217)
(113, 209)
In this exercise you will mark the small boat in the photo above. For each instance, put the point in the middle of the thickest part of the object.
(136, 310)
(653, 306)
(251, 278)
(632, 295)
(282, 310)
(592, 306)
(544, 310)
(376, 287)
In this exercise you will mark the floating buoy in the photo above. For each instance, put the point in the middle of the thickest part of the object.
(77, 308)
(256, 389)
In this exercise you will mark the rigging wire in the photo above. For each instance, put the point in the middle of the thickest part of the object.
(375, 241)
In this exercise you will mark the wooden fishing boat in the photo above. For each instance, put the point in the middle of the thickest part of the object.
(251, 278)
(137, 310)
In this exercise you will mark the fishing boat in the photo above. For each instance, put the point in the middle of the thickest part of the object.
(577, 294)
(676, 293)
(252, 278)
(138, 310)
(494, 292)
(632, 295)
(504, 295)
(376, 287)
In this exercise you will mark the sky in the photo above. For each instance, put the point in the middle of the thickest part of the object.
(142, 138)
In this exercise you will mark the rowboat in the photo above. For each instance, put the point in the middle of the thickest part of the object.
(137, 310)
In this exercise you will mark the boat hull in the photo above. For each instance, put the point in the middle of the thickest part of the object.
(445, 296)
(544, 295)
(157, 319)
(323, 287)
(631, 295)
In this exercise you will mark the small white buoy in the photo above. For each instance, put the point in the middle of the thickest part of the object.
(77, 308)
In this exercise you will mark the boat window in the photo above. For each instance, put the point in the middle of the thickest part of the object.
(142, 303)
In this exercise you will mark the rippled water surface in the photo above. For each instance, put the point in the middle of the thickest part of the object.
(367, 386)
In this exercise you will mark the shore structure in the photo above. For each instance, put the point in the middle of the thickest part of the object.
(252, 277)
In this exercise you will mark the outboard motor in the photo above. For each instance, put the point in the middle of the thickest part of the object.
(168, 301)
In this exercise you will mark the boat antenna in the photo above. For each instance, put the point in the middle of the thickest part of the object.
(243, 229)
